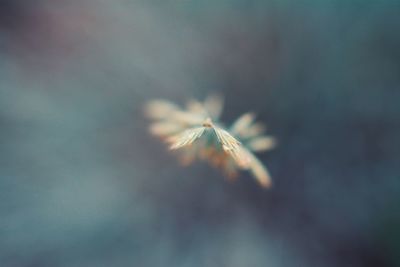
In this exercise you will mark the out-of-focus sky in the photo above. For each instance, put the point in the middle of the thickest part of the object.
(82, 183)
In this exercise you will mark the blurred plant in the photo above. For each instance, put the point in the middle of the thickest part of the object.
(195, 131)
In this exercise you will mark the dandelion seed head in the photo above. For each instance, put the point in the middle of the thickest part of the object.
(196, 133)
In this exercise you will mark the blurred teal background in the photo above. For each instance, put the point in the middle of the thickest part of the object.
(83, 184)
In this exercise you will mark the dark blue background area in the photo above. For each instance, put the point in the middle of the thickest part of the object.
(83, 183)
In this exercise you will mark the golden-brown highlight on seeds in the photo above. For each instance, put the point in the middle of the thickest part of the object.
(196, 132)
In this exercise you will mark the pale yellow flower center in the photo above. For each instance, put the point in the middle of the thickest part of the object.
(208, 123)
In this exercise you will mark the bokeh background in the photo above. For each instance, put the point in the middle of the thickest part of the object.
(83, 184)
